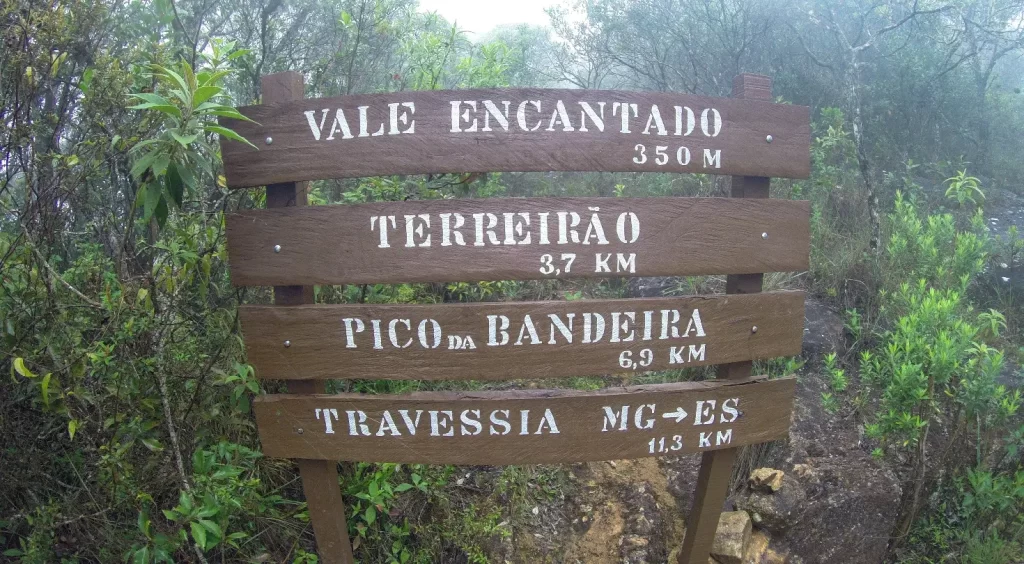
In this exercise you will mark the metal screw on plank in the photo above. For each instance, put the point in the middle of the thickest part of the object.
(270, 140)
(753, 329)
(764, 235)
(768, 139)
(287, 344)
(277, 248)
(300, 430)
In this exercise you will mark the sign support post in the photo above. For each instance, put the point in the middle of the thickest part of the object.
(715, 474)
(319, 477)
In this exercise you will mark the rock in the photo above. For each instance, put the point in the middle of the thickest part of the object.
(732, 537)
(775, 512)
(851, 511)
(766, 480)
(772, 557)
(756, 548)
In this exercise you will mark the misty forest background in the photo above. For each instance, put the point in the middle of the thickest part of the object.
(125, 423)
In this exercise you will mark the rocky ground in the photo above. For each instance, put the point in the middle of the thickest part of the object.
(828, 501)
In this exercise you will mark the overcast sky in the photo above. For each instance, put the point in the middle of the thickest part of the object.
(480, 16)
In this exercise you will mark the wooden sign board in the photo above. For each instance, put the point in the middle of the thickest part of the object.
(516, 130)
(519, 340)
(526, 427)
(516, 239)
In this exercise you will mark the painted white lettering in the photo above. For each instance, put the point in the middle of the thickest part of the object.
(382, 221)
(634, 227)
(655, 119)
(435, 331)
(623, 109)
(713, 160)
(565, 330)
(441, 424)
(621, 328)
(729, 408)
(353, 325)
(393, 333)
(499, 417)
(498, 115)
(594, 229)
(528, 327)
(492, 222)
(357, 427)
(387, 425)
(340, 124)
(559, 115)
(449, 231)
(493, 329)
(638, 416)
(612, 419)
(362, 124)
(313, 127)
(394, 117)
(470, 418)
(410, 424)
(414, 229)
(705, 412)
(593, 327)
(521, 115)
(588, 111)
(549, 420)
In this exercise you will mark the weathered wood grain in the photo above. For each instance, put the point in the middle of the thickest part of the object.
(674, 236)
(319, 477)
(423, 132)
(483, 341)
(487, 427)
(715, 473)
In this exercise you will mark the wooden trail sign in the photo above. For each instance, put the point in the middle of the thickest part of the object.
(526, 427)
(291, 247)
(519, 340)
(517, 239)
(516, 130)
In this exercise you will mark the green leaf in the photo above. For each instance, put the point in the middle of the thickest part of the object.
(161, 212)
(86, 80)
(13, 552)
(184, 140)
(154, 99)
(198, 533)
(153, 445)
(212, 527)
(20, 368)
(204, 93)
(225, 132)
(168, 73)
(44, 389)
(152, 198)
(371, 514)
(404, 487)
(346, 19)
(72, 427)
(175, 185)
(168, 109)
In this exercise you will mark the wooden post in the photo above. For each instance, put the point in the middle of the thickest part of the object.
(716, 466)
(319, 477)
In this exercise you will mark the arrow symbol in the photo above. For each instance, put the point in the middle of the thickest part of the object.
(679, 414)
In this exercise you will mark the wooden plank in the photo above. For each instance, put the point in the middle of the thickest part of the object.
(715, 474)
(519, 340)
(508, 239)
(526, 427)
(516, 130)
(319, 477)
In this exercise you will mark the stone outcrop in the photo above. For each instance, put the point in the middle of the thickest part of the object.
(732, 537)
